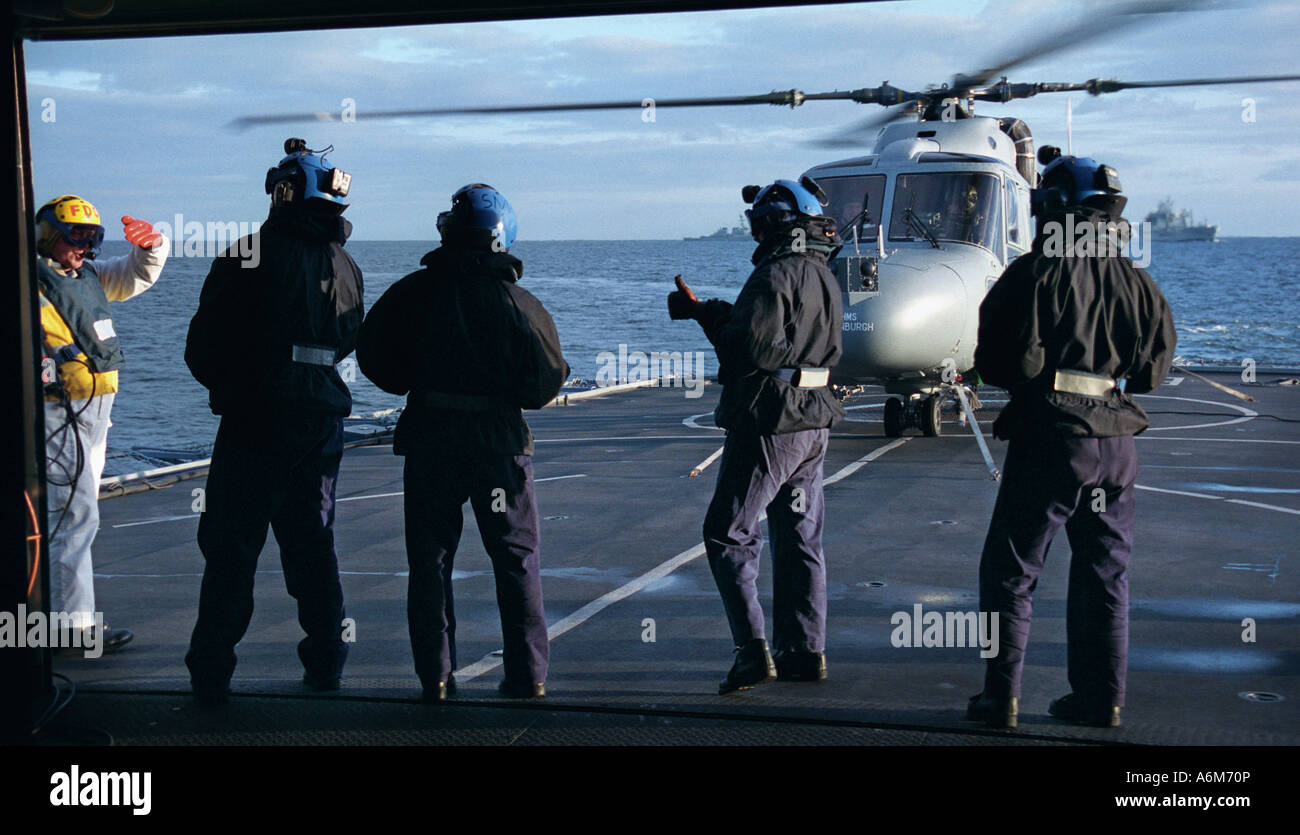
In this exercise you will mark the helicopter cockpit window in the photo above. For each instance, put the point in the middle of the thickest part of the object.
(848, 197)
(952, 206)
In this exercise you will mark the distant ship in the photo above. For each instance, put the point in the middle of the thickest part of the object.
(1170, 224)
(735, 233)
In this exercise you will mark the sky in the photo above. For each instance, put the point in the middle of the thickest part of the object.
(140, 126)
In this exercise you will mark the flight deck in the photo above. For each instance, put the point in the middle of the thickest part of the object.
(638, 636)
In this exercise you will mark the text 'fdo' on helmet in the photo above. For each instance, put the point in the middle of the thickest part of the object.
(1069, 181)
(72, 218)
(480, 218)
(305, 175)
(782, 203)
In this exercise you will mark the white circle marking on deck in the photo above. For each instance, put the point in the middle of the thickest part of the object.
(690, 421)
(1247, 414)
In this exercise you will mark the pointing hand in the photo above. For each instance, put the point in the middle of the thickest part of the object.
(140, 232)
(682, 303)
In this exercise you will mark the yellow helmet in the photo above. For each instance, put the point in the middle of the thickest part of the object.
(73, 218)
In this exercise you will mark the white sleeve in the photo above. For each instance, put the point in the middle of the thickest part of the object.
(131, 274)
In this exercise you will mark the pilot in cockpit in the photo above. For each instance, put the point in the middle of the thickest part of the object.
(964, 217)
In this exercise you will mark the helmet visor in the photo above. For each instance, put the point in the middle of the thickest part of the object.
(84, 235)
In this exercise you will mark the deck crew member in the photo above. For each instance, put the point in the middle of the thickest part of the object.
(1072, 335)
(775, 347)
(471, 348)
(277, 312)
(83, 354)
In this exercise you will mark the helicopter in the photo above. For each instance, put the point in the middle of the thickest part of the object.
(929, 219)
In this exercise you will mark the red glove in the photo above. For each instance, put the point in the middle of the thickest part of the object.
(140, 232)
(682, 303)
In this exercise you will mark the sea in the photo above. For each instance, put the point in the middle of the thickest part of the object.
(1234, 299)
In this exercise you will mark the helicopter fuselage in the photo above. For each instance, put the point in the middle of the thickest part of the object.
(946, 209)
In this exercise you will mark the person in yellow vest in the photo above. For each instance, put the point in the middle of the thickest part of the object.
(81, 358)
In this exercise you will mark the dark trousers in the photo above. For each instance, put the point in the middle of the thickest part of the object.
(781, 474)
(1085, 484)
(500, 489)
(283, 473)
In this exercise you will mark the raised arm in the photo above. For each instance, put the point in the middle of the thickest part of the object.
(131, 274)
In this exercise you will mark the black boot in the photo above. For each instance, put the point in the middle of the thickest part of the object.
(995, 713)
(1074, 709)
(753, 666)
(440, 691)
(793, 665)
(522, 690)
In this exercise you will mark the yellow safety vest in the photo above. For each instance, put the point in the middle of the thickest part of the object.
(76, 375)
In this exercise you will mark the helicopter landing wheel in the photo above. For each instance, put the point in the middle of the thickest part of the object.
(930, 423)
(893, 417)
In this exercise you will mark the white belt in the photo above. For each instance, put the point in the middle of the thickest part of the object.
(313, 355)
(804, 378)
(1079, 382)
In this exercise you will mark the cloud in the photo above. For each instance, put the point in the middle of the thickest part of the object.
(405, 51)
(65, 79)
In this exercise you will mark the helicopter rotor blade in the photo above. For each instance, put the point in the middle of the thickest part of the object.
(1005, 91)
(790, 98)
(982, 85)
(1105, 24)
(1097, 86)
(962, 85)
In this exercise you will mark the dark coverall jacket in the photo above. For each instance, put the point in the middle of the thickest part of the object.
(265, 342)
(1071, 460)
(471, 348)
(788, 315)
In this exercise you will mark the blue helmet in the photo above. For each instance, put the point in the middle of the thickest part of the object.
(304, 174)
(480, 217)
(1069, 181)
(782, 202)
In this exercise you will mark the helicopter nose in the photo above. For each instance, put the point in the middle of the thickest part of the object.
(915, 321)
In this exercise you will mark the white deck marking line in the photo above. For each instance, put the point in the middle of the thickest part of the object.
(1178, 492)
(1264, 506)
(1261, 505)
(336, 501)
(704, 465)
(375, 496)
(490, 662)
(157, 520)
(845, 472)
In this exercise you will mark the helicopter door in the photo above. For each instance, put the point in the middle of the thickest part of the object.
(1018, 235)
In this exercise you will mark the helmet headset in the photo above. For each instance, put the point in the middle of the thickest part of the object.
(1069, 181)
(305, 175)
(782, 203)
